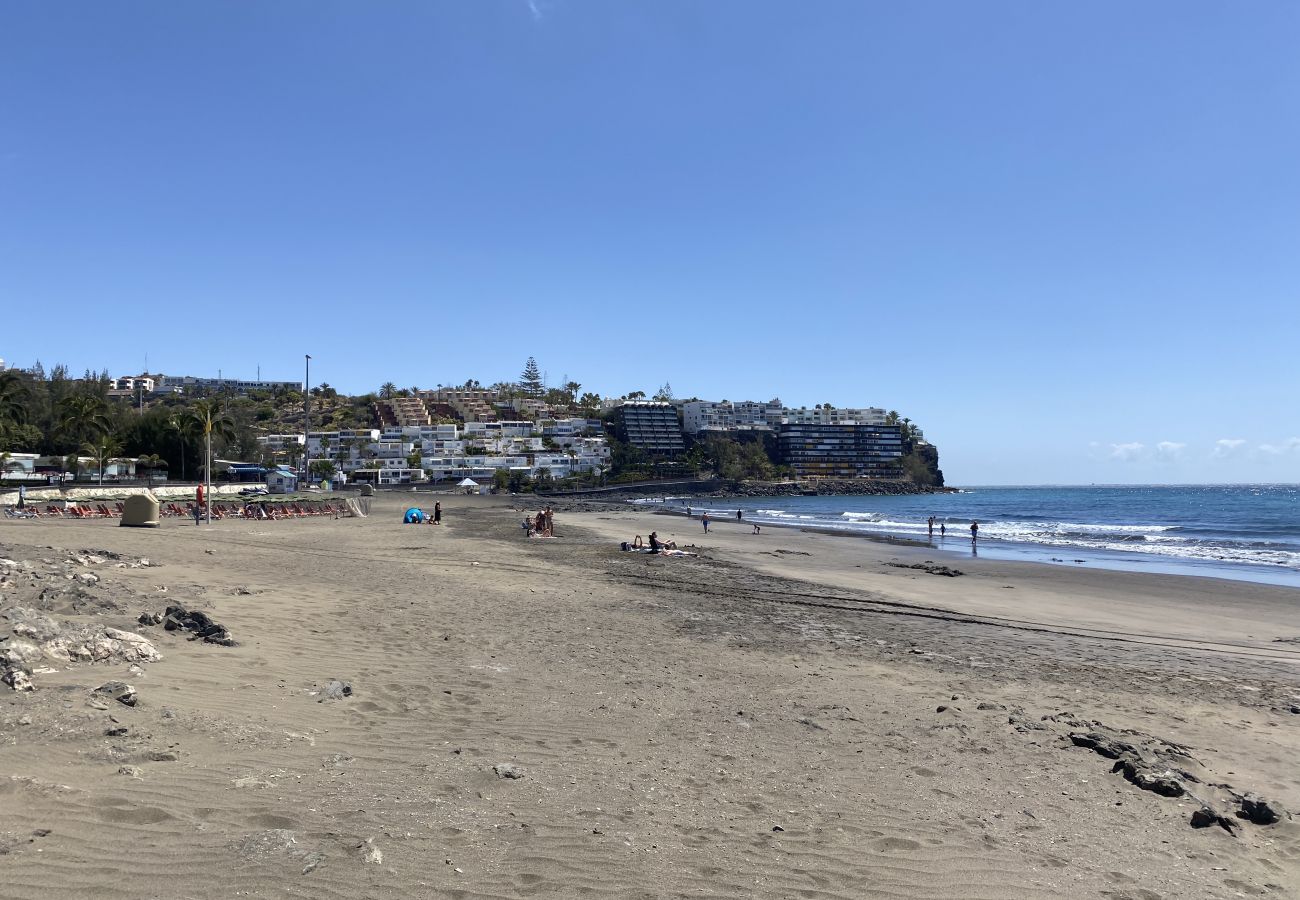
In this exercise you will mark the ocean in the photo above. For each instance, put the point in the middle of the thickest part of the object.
(1249, 532)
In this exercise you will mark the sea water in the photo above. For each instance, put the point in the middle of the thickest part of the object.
(1249, 532)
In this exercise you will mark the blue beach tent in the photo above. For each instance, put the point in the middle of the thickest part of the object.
(414, 516)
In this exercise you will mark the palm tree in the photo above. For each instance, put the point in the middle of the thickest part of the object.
(102, 452)
(180, 423)
(150, 463)
(387, 390)
(13, 397)
(207, 418)
(83, 417)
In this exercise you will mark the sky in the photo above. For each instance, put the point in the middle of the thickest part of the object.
(1062, 238)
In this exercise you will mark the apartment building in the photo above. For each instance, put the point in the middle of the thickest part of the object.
(649, 425)
(817, 450)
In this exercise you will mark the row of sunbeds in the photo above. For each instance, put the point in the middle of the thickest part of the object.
(261, 510)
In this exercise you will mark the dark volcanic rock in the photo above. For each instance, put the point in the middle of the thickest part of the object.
(1256, 809)
(1205, 817)
(198, 624)
(932, 568)
(1100, 743)
(1166, 784)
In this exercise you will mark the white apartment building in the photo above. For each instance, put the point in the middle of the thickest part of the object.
(724, 415)
(422, 433)
(442, 467)
(278, 443)
(478, 431)
(344, 444)
(831, 416)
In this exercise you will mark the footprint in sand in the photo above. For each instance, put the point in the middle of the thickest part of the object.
(888, 844)
(268, 820)
(144, 815)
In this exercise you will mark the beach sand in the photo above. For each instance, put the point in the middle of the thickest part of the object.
(783, 715)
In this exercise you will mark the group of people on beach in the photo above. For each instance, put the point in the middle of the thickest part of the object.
(943, 529)
(541, 525)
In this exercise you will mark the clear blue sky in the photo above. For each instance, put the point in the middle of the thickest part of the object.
(1056, 235)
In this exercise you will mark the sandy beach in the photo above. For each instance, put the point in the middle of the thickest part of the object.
(460, 711)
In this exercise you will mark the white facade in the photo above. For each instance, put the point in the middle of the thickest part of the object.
(480, 430)
(281, 482)
(833, 416)
(708, 415)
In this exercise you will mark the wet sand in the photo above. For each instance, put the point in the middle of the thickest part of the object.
(748, 722)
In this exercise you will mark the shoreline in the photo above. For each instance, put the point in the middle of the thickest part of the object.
(956, 545)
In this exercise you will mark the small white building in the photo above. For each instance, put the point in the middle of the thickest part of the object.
(279, 481)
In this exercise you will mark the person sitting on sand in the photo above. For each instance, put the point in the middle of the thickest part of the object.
(656, 545)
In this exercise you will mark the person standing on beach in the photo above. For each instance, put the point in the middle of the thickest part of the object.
(437, 513)
(738, 517)
(931, 523)
(974, 531)
(942, 530)
(704, 520)
(22, 496)
(550, 522)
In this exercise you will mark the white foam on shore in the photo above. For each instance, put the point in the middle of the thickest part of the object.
(1152, 540)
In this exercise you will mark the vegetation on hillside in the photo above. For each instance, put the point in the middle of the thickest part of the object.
(54, 414)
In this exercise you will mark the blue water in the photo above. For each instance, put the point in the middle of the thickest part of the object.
(1248, 532)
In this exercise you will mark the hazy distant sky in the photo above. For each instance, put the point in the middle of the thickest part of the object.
(1063, 237)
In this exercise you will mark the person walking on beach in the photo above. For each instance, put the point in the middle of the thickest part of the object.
(704, 520)
(437, 513)
(22, 496)
(974, 531)
(738, 516)
(931, 523)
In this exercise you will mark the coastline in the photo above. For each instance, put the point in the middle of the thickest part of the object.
(956, 545)
(1174, 609)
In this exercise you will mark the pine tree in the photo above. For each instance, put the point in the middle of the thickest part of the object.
(530, 382)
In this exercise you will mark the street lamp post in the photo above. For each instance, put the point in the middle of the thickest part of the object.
(306, 422)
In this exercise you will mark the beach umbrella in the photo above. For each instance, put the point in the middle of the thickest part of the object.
(468, 482)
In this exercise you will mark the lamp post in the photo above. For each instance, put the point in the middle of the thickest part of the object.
(306, 422)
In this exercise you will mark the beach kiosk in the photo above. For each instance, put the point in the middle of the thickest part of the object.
(470, 485)
(140, 511)
(281, 482)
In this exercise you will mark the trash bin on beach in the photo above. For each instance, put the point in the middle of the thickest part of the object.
(140, 511)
